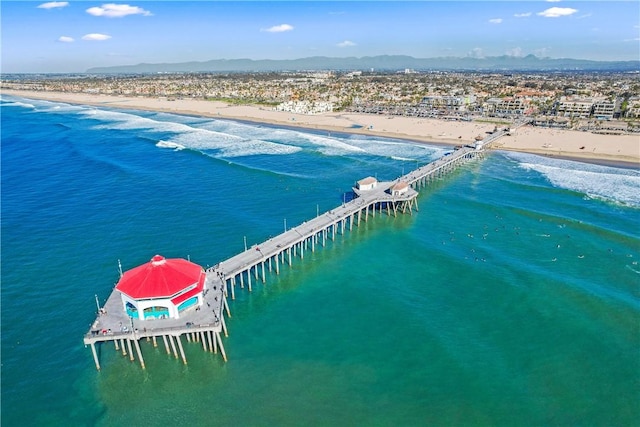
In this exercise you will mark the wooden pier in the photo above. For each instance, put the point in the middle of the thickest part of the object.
(206, 323)
(203, 325)
(253, 264)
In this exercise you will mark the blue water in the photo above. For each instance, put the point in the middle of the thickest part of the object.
(511, 298)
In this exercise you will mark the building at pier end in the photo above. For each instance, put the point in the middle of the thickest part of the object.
(161, 288)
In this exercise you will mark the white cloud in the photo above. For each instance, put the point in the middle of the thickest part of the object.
(278, 28)
(516, 51)
(346, 43)
(556, 12)
(554, 1)
(112, 10)
(522, 15)
(66, 39)
(53, 4)
(95, 37)
(496, 21)
(542, 52)
(476, 52)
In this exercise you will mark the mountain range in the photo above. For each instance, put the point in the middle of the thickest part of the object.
(378, 63)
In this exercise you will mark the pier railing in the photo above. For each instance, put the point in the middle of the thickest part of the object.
(113, 324)
(253, 263)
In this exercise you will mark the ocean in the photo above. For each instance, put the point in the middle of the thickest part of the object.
(511, 298)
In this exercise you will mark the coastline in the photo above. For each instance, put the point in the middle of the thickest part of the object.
(609, 150)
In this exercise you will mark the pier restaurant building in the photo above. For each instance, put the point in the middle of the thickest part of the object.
(162, 288)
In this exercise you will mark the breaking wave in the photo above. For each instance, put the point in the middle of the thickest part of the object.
(596, 181)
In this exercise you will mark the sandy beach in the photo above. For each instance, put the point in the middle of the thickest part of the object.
(623, 149)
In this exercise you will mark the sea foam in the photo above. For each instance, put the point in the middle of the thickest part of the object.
(596, 181)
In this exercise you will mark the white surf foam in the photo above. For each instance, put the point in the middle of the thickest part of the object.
(596, 181)
(167, 144)
(330, 144)
(224, 145)
(207, 137)
(18, 104)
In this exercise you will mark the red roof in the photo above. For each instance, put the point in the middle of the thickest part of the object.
(193, 292)
(161, 278)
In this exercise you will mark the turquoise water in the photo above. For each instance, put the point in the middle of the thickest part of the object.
(511, 298)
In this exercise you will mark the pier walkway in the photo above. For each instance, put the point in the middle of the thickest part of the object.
(253, 263)
(204, 324)
(197, 325)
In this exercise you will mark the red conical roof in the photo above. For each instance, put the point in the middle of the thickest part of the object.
(160, 278)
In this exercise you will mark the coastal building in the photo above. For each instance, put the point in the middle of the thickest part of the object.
(604, 109)
(503, 107)
(162, 288)
(551, 121)
(574, 107)
(368, 183)
(633, 108)
(447, 104)
(305, 107)
(399, 188)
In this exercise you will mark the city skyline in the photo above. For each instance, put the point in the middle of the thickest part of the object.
(59, 36)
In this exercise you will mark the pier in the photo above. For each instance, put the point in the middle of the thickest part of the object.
(203, 325)
(390, 197)
(206, 323)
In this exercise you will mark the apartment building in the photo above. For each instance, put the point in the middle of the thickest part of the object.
(603, 109)
(448, 104)
(503, 107)
(574, 107)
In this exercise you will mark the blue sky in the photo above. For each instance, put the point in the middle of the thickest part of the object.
(73, 36)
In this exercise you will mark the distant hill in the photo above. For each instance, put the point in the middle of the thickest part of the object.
(379, 63)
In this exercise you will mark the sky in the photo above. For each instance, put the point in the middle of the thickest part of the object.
(71, 37)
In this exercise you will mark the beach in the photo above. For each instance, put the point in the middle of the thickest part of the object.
(591, 147)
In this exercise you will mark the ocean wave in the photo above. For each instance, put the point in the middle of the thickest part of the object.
(330, 146)
(166, 144)
(236, 139)
(399, 150)
(17, 104)
(213, 140)
(216, 144)
(595, 181)
(127, 121)
(40, 105)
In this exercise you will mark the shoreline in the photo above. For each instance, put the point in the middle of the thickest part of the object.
(608, 150)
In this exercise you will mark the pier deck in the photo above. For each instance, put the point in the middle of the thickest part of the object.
(207, 322)
(294, 241)
(204, 323)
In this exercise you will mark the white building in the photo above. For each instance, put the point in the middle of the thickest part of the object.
(399, 188)
(305, 107)
(368, 183)
(161, 288)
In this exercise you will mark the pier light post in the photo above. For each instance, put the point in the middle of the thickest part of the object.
(317, 209)
(97, 303)
(285, 225)
(245, 243)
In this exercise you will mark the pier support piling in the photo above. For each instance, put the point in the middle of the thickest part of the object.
(95, 356)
